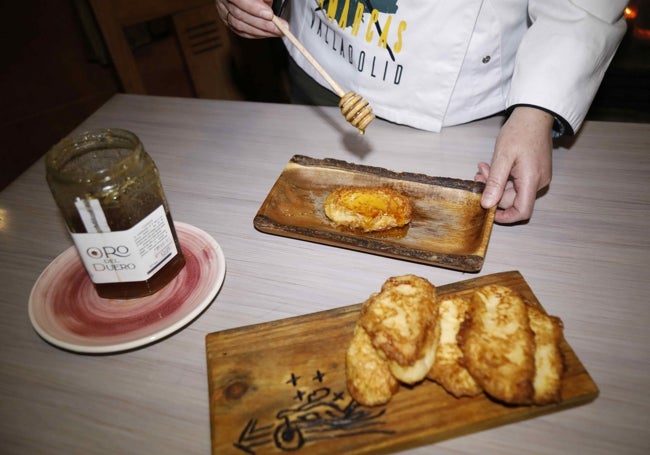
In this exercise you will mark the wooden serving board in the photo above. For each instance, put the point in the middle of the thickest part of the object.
(449, 228)
(280, 387)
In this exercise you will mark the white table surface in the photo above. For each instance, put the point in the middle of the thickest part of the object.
(585, 254)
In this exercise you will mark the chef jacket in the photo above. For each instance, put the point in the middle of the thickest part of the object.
(435, 63)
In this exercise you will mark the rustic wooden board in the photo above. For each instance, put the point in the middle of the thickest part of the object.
(449, 227)
(280, 387)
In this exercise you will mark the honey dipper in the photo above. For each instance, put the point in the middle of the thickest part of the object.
(354, 108)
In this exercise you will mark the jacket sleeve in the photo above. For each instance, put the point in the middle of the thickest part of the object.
(563, 56)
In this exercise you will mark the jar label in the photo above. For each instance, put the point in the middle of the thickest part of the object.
(132, 255)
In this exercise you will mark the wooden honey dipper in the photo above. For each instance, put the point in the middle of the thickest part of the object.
(354, 108)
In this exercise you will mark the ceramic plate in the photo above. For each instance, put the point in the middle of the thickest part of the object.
(67, 312)
(449, 228)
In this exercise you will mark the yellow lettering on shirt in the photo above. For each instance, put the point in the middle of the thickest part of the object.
(331, 9)
(358, 17)
(343, 21)
(374, 17)
(383, 38)
(397, 47)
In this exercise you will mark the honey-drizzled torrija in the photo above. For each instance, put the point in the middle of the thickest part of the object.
(356, 110)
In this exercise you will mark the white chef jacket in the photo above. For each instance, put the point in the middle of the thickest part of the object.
(435, 63)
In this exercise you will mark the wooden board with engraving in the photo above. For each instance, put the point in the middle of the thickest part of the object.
(280, 387)
(449, 228)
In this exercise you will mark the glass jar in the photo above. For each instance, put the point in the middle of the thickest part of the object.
(109, 191)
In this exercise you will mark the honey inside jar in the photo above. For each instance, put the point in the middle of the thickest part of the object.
(109, 192)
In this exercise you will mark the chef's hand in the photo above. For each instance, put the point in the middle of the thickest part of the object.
(248, 18)
(521, 165)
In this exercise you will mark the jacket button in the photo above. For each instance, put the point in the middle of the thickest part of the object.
(486, 59)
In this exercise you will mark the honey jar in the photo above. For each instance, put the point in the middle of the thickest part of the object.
(109, 191)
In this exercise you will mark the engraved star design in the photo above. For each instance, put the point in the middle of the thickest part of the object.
(293, 380)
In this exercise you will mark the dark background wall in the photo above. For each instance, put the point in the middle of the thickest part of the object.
(47, 83)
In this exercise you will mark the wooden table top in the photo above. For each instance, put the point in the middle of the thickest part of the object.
(585, 254)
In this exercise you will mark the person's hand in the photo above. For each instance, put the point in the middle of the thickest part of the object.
(521, 165)
(248, 18)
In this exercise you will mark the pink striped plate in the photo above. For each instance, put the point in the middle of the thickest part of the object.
(66, 311)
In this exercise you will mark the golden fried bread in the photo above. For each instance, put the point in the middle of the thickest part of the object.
(368, 208)
(491, 342)
(549, 363)
(400, 320)
(498, 345)
(447, 369)
(368, 377)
